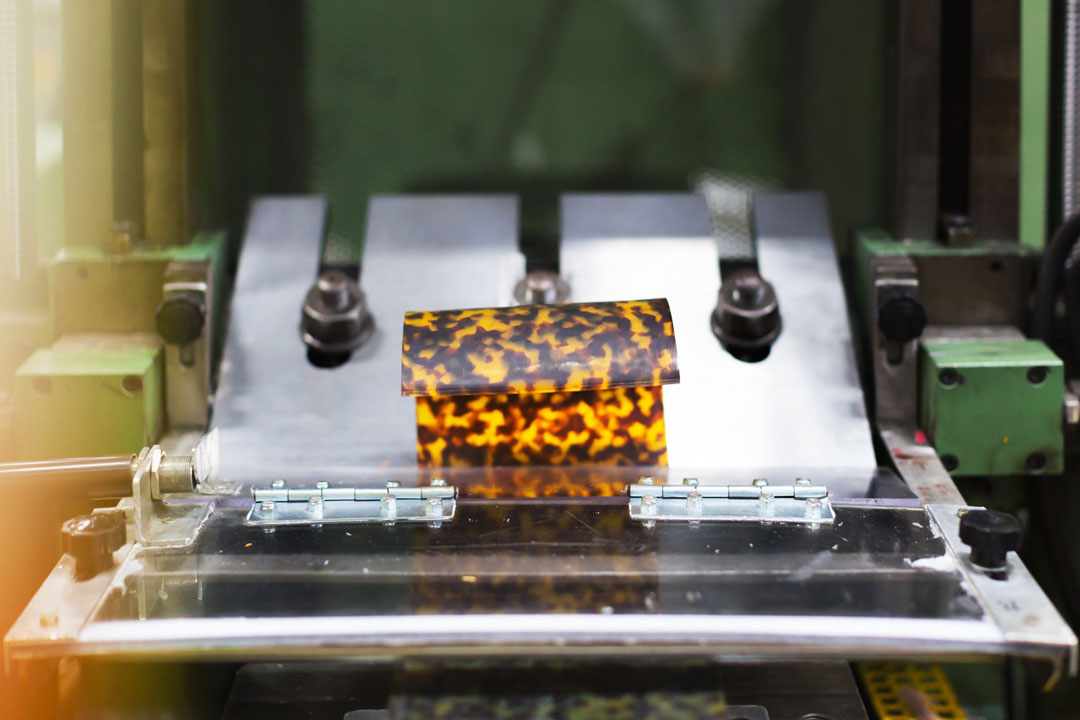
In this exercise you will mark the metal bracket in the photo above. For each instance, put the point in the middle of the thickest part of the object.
(1014, 601)
(188, 365)
(895, 364)
(692, 502)
(161, 524)
(281, 505)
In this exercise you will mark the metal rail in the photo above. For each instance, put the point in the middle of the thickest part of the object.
(94, 477)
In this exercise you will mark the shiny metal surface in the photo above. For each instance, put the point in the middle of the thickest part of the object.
(802, 406)
(919, 465)
(98, 477)
(278, 415)
(566, 577)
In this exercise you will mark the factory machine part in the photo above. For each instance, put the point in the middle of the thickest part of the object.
(313, 533)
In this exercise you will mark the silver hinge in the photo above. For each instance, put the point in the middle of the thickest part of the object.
(281, 505)
(801, 502)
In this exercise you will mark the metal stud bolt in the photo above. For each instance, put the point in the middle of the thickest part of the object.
(767, 504)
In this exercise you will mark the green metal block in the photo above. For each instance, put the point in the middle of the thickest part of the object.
(993, 407)
(985, 283)
(96, 291)
(89, 395)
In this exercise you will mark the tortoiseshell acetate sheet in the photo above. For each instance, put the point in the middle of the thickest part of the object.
(541, 384)
(621, 426)
(538, 348)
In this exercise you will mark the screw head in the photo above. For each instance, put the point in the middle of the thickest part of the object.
(1036, 375)
(541, 287)
(950, 462)
(948, 377)
(748, 289)
(1036, 461)
(333, 288)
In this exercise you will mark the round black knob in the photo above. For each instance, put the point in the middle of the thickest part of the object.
(180, 319)
(92, 540)
(901, 319)
(991, 535)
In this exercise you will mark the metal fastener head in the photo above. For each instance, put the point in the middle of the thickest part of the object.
(802, 481)
(322, 485)
(813, 508)
(692, 482)
(391, 484)
(433, 507)
(647, 480)
(747, 316)
(767, 503)
(277, 484)
(438, 482)
(541, 287)
(693, 502)
(266, 507)
(760, 482)
(335, 318)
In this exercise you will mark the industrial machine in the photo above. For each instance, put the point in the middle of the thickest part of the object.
(715, 448)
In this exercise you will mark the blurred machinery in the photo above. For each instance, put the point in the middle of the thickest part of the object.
(551, 449)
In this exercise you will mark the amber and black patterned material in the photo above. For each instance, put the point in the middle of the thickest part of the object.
(538, 348)
(541, 385)
(557, 690)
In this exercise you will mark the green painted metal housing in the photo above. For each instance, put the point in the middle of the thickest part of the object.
(89, 395)
(993, 407)
(99, 388)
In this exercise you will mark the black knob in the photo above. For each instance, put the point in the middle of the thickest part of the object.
(901, 319)
(180, 318)
(991, 535)
(92, 540)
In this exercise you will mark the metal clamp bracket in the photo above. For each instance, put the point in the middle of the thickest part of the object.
(801, 502)
(281, 505)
